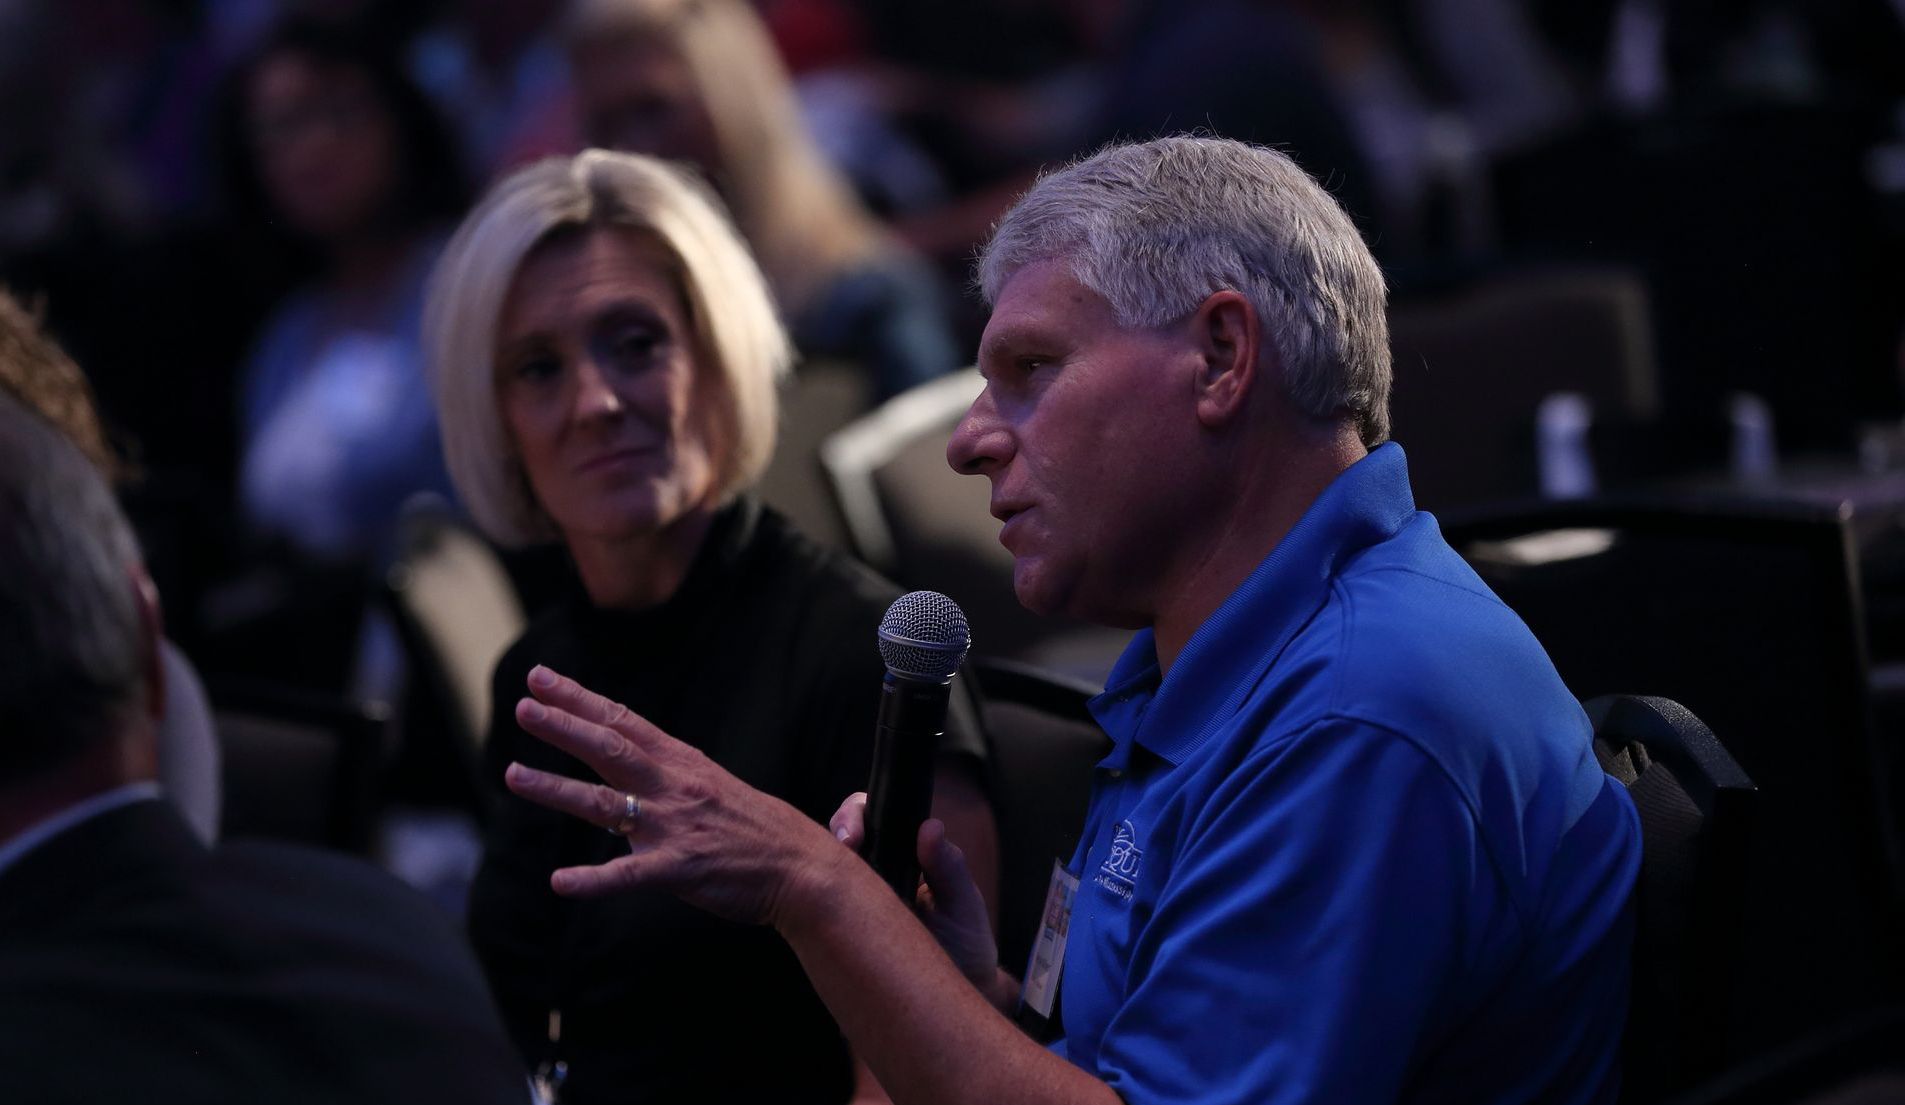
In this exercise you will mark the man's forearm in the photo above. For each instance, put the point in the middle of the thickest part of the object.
(928, 1035)
(1002, 991)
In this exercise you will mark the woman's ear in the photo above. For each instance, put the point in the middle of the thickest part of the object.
(1229, 338)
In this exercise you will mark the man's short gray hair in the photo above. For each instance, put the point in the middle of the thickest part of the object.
(1156, 227)
(71, 665)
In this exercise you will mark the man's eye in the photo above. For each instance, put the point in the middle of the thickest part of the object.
(1029, 365)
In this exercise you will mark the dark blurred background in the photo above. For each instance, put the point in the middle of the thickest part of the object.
(195, 191)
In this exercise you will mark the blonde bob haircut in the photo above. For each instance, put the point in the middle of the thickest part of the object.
(737, 334)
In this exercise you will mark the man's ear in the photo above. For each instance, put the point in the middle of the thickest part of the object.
(1229, 337)
(145, 594)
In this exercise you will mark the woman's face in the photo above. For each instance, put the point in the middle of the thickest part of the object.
(326, 147)
(599, 387)
(638, 94)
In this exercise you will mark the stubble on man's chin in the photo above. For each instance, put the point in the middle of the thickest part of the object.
(1035, 592)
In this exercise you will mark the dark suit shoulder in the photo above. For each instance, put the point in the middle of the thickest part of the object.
(290, 879)
(242, 973)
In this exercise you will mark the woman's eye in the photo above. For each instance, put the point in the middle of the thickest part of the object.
(638, 345)
(538, 368)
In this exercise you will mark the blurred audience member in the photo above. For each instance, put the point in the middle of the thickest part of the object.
(1490, 64)
(1778, 276)
(333, 148)
(1253, 71)
(699, 81)
(843, 95)
(1643, 56)
(605, 356)
(102, 104)
(37, 374)
(105, 110)
(988, 89)
(134, 962)
(498, 73)
(1394, 104)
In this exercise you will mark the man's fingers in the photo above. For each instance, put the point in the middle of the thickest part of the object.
(952, 906)
(620, 873)
(611, 754)
(850, 820)
(944, 866)
(598, 805)
(940, 860)
(569, 696)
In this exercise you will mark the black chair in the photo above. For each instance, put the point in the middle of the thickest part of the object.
(1043, 745)
(1473, 364)
(1696, 814)
(1859, 1062)
(1747, 615)
(298, 766)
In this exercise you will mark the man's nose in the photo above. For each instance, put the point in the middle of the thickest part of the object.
(981, 442)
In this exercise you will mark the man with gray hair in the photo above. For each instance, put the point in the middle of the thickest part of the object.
(1351, 843)
(136, 964)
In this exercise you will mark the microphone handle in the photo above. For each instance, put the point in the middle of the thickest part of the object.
(900, 793)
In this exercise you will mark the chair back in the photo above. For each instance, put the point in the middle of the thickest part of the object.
(821, 397)
(1858, 1062)
(297, 766)
(1472, 367)
(457, 612)
(1748, 615)
(1696, 815)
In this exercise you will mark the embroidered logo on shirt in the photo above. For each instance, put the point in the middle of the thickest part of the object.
(1119, 872)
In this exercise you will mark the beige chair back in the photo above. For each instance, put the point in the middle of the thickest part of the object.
(461, 613)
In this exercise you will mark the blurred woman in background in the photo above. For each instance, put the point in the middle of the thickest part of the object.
(605, 356)
(332, 150)
(699, 81)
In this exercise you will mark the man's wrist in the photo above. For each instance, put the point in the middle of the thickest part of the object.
(817, 888)
(1002, 990)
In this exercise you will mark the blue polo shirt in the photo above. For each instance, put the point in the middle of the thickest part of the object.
(1356, 846)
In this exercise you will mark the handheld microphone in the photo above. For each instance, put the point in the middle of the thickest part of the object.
(923, 639)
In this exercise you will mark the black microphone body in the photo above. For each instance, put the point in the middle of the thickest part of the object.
(922, 639)
(900, 793)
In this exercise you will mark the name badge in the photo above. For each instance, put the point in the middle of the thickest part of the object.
(1048, 951)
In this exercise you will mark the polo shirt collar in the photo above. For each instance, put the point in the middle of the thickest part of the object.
(1224, 660)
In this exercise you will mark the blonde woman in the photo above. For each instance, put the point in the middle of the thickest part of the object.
(605, 357)
(699, 81)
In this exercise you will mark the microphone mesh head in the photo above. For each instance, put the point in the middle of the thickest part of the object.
(924, 636)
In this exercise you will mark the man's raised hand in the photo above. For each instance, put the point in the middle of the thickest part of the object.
(693, 829)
